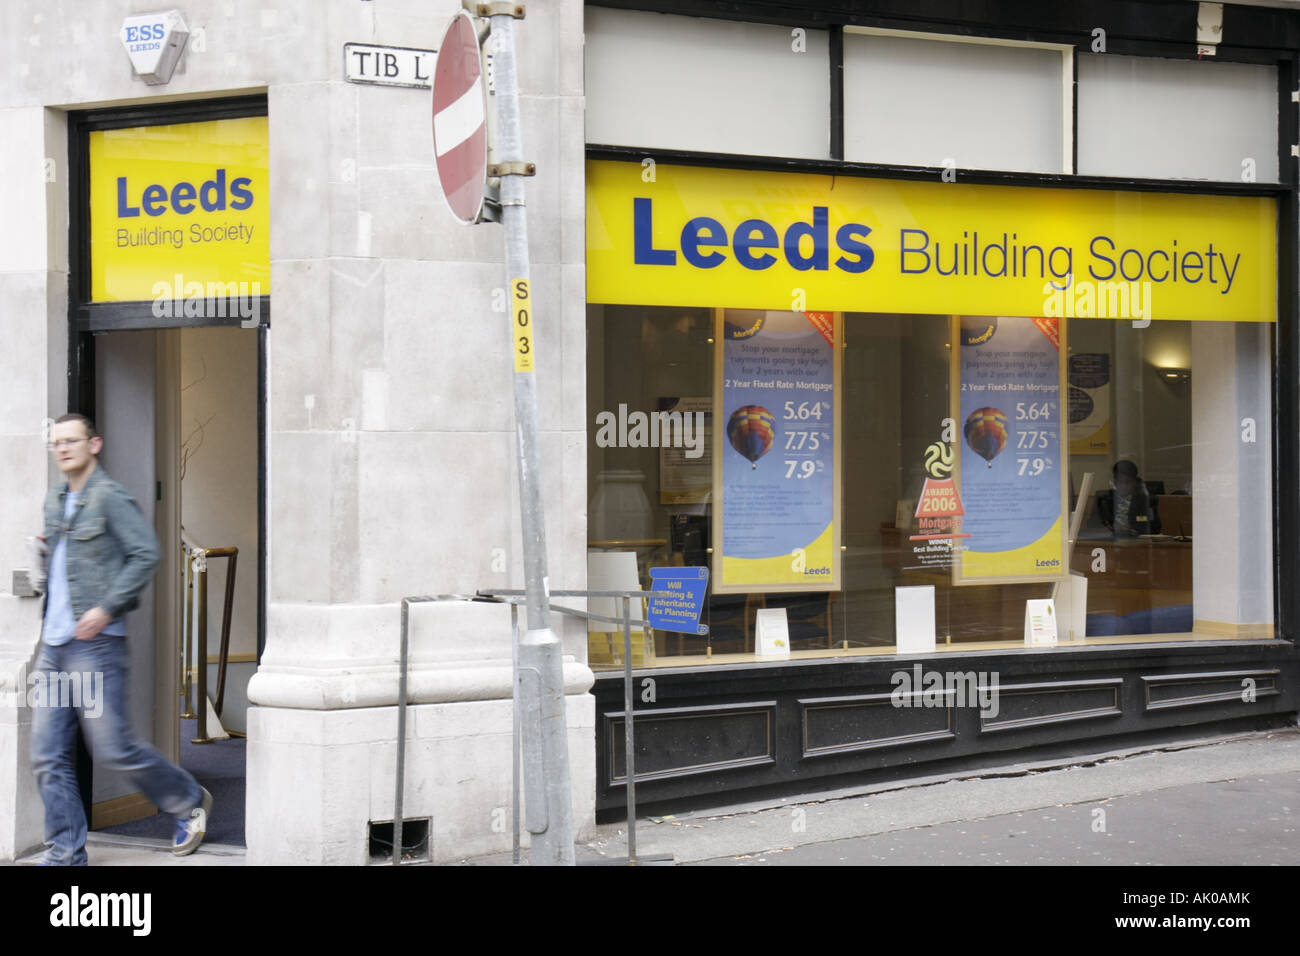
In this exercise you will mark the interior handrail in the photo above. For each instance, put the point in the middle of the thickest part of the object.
(196, 576)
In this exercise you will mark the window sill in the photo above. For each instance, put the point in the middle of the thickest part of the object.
(702, 660)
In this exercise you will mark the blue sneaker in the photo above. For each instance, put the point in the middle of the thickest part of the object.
(190, 829)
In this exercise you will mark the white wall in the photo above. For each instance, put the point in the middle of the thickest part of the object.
(924, 102)
(219, 488)
(711, 85)
(33, 387)
(1176, 119)
(1232, 490)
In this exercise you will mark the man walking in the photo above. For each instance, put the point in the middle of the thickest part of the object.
(102, 554)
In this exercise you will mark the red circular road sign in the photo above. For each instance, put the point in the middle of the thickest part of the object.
(460, 120)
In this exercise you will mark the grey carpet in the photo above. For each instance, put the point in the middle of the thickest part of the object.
(219, 766)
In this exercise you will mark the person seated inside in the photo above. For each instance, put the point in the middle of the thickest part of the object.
(1128, 509)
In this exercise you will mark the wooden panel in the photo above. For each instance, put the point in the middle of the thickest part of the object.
(1140, 574)
(119, 810)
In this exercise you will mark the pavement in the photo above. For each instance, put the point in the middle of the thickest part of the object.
(1227, 800)
(1253, 821)
(103, 849)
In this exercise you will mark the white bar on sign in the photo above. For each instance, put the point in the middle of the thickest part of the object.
(459, 120)
(914, 619)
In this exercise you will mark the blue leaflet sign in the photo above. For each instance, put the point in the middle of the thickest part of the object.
(681, 612)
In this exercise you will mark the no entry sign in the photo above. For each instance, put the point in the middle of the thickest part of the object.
(460, 120)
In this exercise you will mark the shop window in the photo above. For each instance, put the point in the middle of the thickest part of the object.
(1175, 119)
(679, 82)
(1162, 453)
(1035, 415)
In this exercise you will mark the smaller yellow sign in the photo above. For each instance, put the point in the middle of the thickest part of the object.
(522, 310)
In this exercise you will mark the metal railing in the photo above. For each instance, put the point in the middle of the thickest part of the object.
(514, 598)
(194, 659)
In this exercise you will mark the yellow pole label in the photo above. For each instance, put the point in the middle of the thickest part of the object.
(521, 309)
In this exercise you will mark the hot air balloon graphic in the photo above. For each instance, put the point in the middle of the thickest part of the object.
(751, 430)
(986, 433)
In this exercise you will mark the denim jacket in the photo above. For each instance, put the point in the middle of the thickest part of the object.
(112, 550)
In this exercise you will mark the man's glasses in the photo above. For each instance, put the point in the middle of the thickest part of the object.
(66, 442)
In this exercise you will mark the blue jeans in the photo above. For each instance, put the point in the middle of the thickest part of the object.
(86, 681)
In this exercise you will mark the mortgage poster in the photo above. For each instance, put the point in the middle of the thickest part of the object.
(776, 451)
(1010, 377)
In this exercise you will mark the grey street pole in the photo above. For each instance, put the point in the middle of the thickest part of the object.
(549, 808)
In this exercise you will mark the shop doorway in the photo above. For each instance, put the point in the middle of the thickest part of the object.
(180, 412)
(168, 325)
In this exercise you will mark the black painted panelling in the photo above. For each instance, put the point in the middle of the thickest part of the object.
(687, 741)
(811, 748)
(1032, 705)
(1217, 687)
(833, 725)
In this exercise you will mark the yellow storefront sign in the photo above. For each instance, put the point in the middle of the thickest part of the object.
(180, 211)
(695, 236)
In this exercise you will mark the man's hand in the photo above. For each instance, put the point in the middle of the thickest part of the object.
(91, 623)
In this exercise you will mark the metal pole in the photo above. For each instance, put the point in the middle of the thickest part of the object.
(187, 637)
(401, 739)
(545, 745)
(629, 754)
(514, 732)
(201, 654)
(227, 611)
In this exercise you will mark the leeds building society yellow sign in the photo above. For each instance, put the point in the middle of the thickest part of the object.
(693, 236)
(180, 212)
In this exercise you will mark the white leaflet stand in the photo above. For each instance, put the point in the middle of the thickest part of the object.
(1071, 596)
(772, 633)
(1040, 623)
(914, 619)
(615, 571)
(611, 571)
(1072, 606)
(215, 730)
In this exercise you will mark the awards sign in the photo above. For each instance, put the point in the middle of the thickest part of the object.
(1009, 380)
(776, 459)
(938, 513)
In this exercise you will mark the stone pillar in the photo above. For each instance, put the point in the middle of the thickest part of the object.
(392, 469)
(322, 764)
(33, 364)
